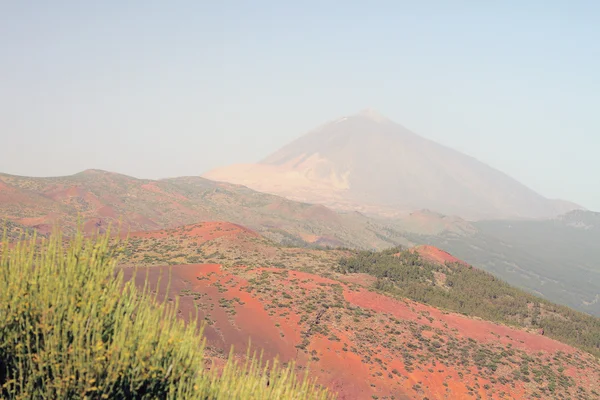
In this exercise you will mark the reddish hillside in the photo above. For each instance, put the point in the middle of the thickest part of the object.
(365, 345)
(4, 187)
(437, 256)
(200, 232)
(98, 199)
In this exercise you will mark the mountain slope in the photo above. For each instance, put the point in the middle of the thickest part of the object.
(557, 258)
(368, 160)
(361, 329)
(98, 198)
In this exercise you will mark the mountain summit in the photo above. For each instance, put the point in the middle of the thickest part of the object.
(367, 162)
(372, 114)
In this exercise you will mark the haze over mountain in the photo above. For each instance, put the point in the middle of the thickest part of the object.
(370, 163)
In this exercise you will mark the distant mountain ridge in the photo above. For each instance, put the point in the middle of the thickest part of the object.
(366, 160)
(99, 198)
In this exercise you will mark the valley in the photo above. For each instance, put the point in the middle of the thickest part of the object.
(555, 258)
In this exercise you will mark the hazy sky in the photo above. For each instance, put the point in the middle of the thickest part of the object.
(164, 88)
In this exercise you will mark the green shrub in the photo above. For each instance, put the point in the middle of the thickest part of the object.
(70, 327)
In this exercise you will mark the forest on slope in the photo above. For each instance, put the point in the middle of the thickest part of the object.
(558, 259)
(462, 288)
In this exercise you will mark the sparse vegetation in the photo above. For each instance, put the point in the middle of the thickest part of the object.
(473, 292)
(13, 230)
(321, 310)
(71, 328)
(147, 204)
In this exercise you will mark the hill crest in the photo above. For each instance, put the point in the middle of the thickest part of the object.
(98, 199)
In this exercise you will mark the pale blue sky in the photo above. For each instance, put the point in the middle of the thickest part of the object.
(157, 89)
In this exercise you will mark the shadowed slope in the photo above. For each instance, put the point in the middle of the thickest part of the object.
(556, 258)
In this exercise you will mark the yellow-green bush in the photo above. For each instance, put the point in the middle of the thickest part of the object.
(70, 328)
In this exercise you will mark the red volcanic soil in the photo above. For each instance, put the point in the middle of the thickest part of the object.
(61, 192)
(95, 225)
(32, 221)
(358, 343)
(66, 193)
(202, 232)
(434, 255)
(43, 229)
(107, 212)
(43, 225)
(152, 187)
(4, 187)
(224, 329)
(480, 330)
